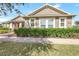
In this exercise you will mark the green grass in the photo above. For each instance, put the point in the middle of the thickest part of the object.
(37, 49)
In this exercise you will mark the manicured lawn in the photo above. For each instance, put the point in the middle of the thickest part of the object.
(13, 48)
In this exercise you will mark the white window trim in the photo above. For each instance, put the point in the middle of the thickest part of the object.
(39, 24)
(64, 22)
(47, 22)
(30, 22)
(53, 22)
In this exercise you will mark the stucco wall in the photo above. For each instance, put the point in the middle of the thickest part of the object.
(56, 22)
(69, 22)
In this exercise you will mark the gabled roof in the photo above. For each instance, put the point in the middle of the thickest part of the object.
(14, 20)
(33, 14)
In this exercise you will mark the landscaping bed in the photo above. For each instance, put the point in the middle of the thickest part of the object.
(37, 49)
(48, 32)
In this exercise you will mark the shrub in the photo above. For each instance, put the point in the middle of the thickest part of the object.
(48, 32)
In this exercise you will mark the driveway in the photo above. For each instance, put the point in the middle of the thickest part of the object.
(41, 40)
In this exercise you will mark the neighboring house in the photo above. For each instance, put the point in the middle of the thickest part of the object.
(46, 16)
(76, 24)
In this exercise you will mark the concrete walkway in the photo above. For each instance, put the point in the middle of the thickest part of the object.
(8, 34)
(41, 40)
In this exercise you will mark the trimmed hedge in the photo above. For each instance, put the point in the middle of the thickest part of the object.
(48, 32)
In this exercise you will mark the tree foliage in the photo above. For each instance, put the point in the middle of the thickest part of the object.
(77, 22)
(9, 7)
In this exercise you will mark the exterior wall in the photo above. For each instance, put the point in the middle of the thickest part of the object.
(37, 23)
(26, 24)
(57, 22)
(69, 22)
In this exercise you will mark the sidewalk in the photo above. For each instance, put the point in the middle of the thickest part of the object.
(41, 40)
(7, 34)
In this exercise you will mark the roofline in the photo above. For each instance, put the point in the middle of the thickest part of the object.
(35, 10)
(50, 6)
(11, 19)
(51, 16)
(15, 17)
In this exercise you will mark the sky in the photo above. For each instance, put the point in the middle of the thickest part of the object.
(72, 8)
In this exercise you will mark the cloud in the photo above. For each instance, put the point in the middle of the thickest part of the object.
(57, 5)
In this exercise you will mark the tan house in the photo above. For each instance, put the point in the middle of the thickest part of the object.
(46, 16)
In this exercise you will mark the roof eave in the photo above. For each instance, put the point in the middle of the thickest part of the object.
(50, 16)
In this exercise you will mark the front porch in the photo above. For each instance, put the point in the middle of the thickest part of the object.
(16, 25)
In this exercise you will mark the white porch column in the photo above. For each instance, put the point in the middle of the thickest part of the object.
(20, 25)
(39, 23)
(53, 22)
(47, 23)
(11, 25)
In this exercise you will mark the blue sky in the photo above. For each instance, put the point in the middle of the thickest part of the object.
(72, 8)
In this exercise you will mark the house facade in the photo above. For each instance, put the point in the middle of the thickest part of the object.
(46, 16)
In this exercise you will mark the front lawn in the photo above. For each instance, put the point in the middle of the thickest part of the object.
(13, 48)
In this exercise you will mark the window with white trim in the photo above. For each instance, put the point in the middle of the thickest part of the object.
(62, 22)
(50, 23)
(43, 23)
(32, 22)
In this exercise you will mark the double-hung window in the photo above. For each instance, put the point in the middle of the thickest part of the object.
(43, 23)
(46, 23)
(32, 22)
(50, 23)
(62, 22)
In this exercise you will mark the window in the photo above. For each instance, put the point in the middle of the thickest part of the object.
(50, 23)
(43, 23)
(32, 22)
(62, 22)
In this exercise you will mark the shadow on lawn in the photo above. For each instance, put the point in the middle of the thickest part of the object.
(28, 49)
(36, 49)
(43, 48)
